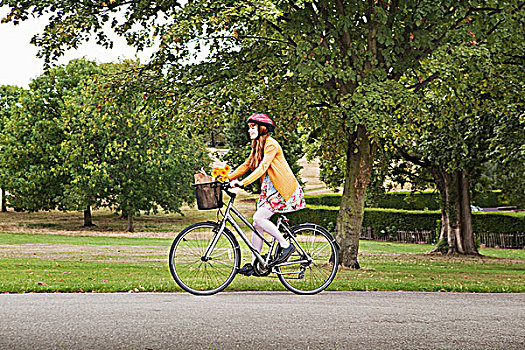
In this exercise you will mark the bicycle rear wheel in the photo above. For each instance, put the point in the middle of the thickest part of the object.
(192, 271)
(321, 250)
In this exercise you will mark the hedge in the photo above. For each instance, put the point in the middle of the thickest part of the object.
(408, 220)
(427, 200)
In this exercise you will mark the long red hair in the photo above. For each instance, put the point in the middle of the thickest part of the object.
(258, 147)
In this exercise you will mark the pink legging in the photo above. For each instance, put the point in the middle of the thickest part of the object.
(261, 222)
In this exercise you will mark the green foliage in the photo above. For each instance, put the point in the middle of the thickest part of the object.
(88, 135)
(9, 96)
(330, 200)
(498, 222)
(388, 219)
(122, 154)
(442, 246)
(453, 123)
(428, 200)
(237, 139)
(31, 160)
(468, 117)
(331, 65)
(493, 199)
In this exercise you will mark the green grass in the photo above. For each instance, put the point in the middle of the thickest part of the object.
(49, 263)
(28, 238)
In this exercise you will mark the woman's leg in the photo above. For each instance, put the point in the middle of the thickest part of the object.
(261, 222)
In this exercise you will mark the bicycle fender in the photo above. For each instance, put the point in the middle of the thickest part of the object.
(330, 235)
(321, 228)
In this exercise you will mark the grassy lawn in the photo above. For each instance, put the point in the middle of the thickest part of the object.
(69, 263)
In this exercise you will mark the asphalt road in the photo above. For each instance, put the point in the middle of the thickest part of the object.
(353, 320)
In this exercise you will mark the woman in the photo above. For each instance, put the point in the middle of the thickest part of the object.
(280, 191)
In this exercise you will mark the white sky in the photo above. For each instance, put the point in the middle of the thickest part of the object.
(18, 61)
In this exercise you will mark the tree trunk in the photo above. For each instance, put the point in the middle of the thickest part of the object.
(456, 216)
(212, 138)
(351, 213)
(2, 199)
(467, 232)
(88, 219)
(451, 210)
(130, 227)
(442, 242)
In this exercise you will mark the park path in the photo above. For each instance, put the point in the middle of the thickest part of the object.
(330, 320)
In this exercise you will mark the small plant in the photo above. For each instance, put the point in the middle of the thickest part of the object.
(442, 246)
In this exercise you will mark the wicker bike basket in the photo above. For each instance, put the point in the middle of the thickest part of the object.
(209, 195)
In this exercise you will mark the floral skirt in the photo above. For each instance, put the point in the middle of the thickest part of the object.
(272, 200)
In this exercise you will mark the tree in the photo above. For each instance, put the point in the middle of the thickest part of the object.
(8, 98)
(31, 141)
(121, 152)
(466, 118)
(333, 65)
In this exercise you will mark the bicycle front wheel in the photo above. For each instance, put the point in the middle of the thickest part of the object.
(318, 247)
(199, 274)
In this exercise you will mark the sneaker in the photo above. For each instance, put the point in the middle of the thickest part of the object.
(246, 270)
(284, 254)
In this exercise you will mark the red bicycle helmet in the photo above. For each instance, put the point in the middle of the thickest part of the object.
(262, 119)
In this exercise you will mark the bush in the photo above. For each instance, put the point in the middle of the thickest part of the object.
(406, 220)
(498, 222)
(376, 218)
(491, 199)
(331, 200)
(428, 200)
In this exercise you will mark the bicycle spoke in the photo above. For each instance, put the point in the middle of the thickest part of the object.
(222, 263)
(320, 272)
(319, 249)
(198, 276)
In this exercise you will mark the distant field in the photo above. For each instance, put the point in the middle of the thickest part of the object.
(65, 263)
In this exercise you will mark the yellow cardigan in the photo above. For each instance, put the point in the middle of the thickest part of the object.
(275, 165)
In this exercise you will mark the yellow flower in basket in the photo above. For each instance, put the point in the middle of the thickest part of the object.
(221, 174)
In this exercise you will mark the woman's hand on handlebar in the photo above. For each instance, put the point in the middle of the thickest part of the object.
(236, 183)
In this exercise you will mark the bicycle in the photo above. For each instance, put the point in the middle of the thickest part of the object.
(205, 257)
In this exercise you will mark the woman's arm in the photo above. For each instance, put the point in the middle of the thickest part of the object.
(243, 168)
(270, 151)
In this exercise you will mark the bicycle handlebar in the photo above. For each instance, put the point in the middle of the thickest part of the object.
(226, 186)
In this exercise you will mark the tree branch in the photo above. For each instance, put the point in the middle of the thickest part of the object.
(422, 84)
(347, 40)
(503, 20)
(438, 41)
(280, 31)
(490, 9)
(321, 104)
(413, 158)
(243, 37)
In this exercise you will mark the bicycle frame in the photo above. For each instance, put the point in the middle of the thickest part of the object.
(265, 262)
